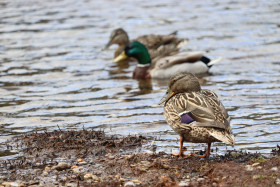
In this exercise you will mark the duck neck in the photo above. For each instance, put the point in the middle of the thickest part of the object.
(144, 59)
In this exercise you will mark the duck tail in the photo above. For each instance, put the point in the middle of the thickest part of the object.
(210, 62)
(182, 43)
(224, 137)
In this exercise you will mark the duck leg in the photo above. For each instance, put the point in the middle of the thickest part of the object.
(181, 152)
(202, 156)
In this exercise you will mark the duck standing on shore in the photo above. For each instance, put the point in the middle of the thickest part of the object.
(196, 115)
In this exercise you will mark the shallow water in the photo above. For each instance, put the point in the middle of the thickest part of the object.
(53, 72)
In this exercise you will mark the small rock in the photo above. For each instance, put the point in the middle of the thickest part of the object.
(214, 184)
(37, 164)
(88, 176)
(77, 170)
(83, 163)
(129, 184)
(95, 178)
(45, 173)
(259, 167)
(136, 181)
(200, 179)
(277, 181)
(47, 168)
(235, 154)
(61, 166)
(71, 184)
(34, 182)
(183, 183)
(274, 169)
(10, 184)
(22, 184)
(256, 164)
(80, 160)
(249, 168)
(256, 177)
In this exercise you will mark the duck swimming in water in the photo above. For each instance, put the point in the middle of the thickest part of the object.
(166, 66)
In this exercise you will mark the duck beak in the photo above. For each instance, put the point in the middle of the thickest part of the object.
(107, 45)
(167, 96)
(121, 57)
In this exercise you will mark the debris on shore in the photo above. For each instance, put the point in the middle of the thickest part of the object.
(92, 158)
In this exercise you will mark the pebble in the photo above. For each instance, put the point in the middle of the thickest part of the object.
(136, 181)
(129, 184)
(235, 154)
(10, 184)
(249, 168)
(274, 169)
(259, 167)
(83, 163)
(71, 184)
(80, 160)
(37, 164)
(277, 181)
(61, 166)
(183, 183)
(214, 184)
(256, 164)
(88, 176)
(47, 168)
(95, 178)
(76, 170)
(200, 179)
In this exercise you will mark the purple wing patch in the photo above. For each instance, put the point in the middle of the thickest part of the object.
(186, 118)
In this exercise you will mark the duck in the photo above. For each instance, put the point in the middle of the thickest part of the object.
(157, 45)
(196, 115)
(163, 67)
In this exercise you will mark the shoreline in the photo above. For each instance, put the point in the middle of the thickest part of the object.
(92, 158)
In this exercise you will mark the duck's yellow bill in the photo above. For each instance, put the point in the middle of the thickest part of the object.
(121, 57)
(167, 96)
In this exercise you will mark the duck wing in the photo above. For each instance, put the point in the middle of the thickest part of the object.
(204, 108)
(177, 58)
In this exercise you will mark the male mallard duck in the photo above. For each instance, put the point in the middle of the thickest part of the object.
(196, 115)
(164, 67)
(157, 45)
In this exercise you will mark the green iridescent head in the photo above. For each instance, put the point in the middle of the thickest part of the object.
(136, 50)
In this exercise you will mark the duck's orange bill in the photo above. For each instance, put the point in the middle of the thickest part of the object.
(167, 96)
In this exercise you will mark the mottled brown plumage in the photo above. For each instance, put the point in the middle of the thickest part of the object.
(196, 115)
(157, 45)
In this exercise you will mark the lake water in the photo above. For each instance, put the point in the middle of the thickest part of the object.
(53, 72)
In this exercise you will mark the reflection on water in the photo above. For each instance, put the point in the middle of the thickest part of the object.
(53, 72)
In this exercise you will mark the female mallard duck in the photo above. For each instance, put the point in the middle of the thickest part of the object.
(156, 44)
(164, 67)
(196, 115)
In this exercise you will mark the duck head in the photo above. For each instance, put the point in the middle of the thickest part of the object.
(136, 50)
(181, 83)
(118, 36)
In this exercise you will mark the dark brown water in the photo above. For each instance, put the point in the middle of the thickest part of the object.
(53, 72)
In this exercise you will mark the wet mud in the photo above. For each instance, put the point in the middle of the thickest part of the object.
(92, 158)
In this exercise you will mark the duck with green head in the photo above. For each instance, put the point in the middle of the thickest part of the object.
(196, 115)
(156, 44)
(163, 67)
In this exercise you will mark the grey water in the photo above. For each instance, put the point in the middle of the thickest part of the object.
(53, 72)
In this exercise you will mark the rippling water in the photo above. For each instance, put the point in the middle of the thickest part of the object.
(53, 72)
